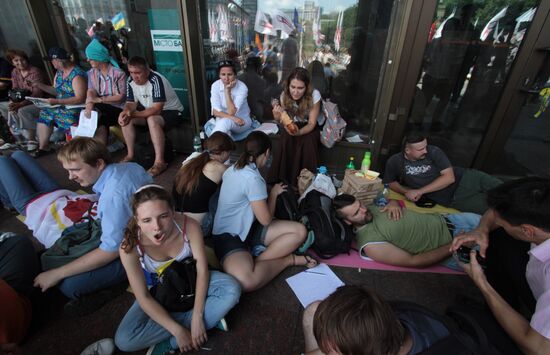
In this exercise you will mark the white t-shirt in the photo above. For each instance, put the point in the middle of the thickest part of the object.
(156, 89)
(239, 95)
(239, 188)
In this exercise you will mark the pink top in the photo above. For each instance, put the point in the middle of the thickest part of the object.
(538, 277)
(113, 83)
(20, 82)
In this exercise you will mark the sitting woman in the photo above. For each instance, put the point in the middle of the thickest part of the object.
(299, 145)
(69, 88)
(106, 89)
(198, 179)
(228, 98)
(20, 113)
(244, 221)
(155, 237)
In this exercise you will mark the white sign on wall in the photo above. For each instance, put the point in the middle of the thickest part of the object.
(166, 40)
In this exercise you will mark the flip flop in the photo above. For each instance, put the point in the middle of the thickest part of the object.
(157, 169)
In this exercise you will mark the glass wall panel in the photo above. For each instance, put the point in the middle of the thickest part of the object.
(146, 28)
(471, 48)
(17, 31)
(341, 43)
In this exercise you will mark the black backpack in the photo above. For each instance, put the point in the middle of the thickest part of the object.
(332, 235)
(286, 207)
(467, 334)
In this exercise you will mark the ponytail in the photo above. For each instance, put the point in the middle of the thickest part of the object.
(256, 144)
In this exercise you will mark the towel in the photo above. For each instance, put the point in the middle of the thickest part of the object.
(96, 51)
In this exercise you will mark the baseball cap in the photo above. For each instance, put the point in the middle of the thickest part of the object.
(57, 53)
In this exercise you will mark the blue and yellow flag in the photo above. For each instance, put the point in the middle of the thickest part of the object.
(118, 21)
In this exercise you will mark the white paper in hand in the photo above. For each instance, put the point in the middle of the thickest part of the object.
(314, 284)
(86, 126)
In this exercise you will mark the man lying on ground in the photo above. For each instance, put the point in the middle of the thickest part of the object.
(402, 237)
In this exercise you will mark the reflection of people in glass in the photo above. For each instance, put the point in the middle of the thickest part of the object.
(299, 149)
(228, 98)
(446, 65)
(289, 50)
(256, 86)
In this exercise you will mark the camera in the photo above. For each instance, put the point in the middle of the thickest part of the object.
(463, 254)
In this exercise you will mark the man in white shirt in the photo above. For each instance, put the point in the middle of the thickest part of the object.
(161, 110)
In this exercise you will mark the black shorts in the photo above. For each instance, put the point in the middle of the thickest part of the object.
(108, 114)
(227, 244)
(171, 118)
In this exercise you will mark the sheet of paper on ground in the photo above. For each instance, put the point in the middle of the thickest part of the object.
(314, 284)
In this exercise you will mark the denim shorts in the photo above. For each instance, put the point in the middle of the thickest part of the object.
(226, 244)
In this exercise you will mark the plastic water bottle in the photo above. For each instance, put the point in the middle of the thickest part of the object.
(337, 183)
(322, 170)
(381, 199)
(197, 144)
(365, 164)
(351, 164)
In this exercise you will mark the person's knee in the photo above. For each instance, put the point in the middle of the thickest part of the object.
(244, 278)
(70, 287)
(229, 288)
(155, 122)
(124, 340)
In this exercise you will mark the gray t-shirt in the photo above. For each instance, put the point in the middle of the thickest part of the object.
(419, 173)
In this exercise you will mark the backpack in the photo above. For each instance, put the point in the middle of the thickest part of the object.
(75, 241)
(334, 126)
(466, 336)
(286, 207)
(332, 235)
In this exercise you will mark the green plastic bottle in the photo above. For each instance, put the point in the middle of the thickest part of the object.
(351, 164)
(365, 164)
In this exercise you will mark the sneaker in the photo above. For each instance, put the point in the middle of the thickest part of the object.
(32, 146)
(162, 348)
(7, 146)
(101, 347)
(222, 325)
(90, 303)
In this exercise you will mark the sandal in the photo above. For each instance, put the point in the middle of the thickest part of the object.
(311, 262)
(157, 169)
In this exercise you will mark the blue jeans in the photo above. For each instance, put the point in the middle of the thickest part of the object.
(464, 222)
(87, 282)
(138, 331)
(22, 179)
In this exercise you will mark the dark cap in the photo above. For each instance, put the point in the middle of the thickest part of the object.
(57, 53)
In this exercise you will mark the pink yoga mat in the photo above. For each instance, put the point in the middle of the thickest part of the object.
(353, 260)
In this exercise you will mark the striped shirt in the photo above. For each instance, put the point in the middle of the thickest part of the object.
(113, 83)
(156, 89)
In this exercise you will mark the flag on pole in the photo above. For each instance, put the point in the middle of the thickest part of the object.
(281, 21)
(338, 33)
(213, 26)
(439, 30)
(296, 22)
(258, 42)
(262, 23)
(492, 25)
(316, 27)
(118, 21)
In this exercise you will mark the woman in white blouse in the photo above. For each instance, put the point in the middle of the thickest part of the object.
(228, 100)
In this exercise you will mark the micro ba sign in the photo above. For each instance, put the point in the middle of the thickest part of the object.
(166, 40)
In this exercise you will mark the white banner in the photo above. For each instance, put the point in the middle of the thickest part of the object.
(166, 40)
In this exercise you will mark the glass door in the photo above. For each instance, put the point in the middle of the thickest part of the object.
(470, 52)
(522, 140)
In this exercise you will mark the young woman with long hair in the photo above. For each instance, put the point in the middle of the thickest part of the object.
(156, 236)
(298, 149)
(198, 179)
(244, 221)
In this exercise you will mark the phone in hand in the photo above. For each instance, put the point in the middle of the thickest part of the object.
(463, 254)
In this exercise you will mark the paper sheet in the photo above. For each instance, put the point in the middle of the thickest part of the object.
(86, 126)
(314, 284)
(354, 139)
